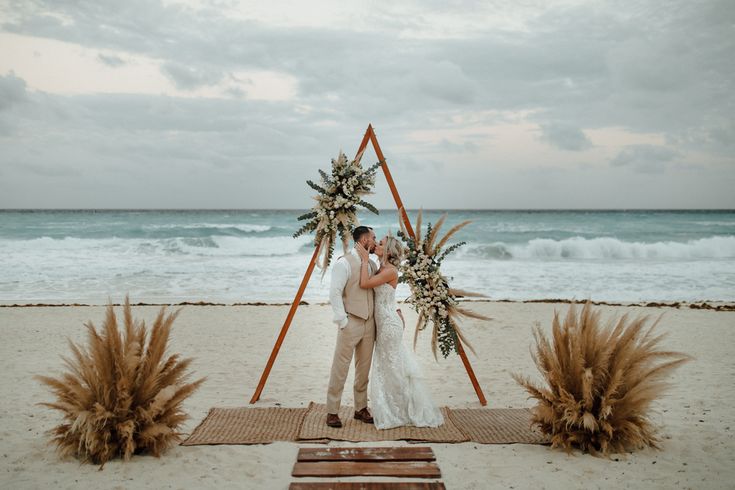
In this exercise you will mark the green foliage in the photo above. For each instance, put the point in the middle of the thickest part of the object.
(369, 207)
(448, 251)
(316, 187)
(431, 295)
(335, 212)
(447, 337)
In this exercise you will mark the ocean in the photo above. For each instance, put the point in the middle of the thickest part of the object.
(230, 256)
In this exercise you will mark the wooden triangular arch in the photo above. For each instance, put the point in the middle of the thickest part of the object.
(368, 138)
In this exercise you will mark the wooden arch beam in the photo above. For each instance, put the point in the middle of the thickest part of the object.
(369, 137)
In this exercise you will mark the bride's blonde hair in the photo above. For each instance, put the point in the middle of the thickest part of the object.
(392, 251)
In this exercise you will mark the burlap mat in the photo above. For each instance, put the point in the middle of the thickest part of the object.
(265, 425)
(498, 425)
(314, 427)
(247, 426)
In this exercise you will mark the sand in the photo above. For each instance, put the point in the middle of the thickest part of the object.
(231, 344)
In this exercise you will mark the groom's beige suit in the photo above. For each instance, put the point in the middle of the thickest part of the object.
(353, 313)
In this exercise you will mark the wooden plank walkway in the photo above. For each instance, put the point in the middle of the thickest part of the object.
(406, 469)
(366, 454)
(340, 462)
(368, 486)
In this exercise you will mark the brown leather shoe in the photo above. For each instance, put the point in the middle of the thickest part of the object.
(364, 416)
(333, 420)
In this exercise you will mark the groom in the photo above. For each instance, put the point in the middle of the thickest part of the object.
(353, 314)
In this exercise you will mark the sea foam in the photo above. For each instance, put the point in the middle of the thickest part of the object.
(603, 248)
(171, 256)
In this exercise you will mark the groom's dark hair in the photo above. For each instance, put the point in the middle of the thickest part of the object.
(358, 232)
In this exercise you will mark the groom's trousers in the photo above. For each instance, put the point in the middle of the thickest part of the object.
(358, 337)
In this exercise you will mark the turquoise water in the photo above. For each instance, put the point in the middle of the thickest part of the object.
(249, 255)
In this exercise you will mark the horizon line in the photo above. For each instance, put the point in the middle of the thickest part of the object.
(380, 209)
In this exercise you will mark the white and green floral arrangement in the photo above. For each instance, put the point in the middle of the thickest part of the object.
(335, 211)
(431, 296)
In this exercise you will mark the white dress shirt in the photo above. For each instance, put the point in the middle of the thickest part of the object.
(340, 274)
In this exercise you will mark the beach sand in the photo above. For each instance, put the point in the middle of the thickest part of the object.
(231, 344)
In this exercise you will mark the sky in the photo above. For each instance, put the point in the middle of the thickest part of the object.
(492, 104)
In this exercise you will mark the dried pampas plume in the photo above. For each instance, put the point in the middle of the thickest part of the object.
(431, 296)
(600, 381)
(121, 396)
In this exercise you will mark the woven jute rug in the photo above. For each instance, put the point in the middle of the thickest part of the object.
(315, 427)
(498, 425)
(248, 426)
(265, 425)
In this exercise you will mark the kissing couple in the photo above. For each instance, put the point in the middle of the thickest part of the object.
(363, 299)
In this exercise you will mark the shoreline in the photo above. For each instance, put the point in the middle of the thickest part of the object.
(694, 305)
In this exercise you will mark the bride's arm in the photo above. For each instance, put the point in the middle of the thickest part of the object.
(386, 275)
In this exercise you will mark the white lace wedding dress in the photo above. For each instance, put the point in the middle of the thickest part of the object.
(397, 392)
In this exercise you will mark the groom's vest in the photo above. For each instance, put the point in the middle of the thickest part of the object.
(357, 301)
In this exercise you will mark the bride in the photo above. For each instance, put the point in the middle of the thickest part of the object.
(399, 396)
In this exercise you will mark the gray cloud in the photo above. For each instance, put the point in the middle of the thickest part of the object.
(188, 77)
(54, 170)
(446, 81)
(586, 66)
(111, 60)
(453, 147)
(644, 158)
(657, 68)
(12, 91)
(565, 137)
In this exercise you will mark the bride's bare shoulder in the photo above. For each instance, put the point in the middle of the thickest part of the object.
(390, 267)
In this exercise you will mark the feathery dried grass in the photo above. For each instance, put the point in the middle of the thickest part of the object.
(121, 396)
(431, 295)
(600, 381)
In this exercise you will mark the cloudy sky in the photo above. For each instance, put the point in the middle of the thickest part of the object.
(489, 104)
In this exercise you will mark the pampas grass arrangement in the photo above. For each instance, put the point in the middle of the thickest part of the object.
(600, 381)
(121, 395)
(431, 296)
